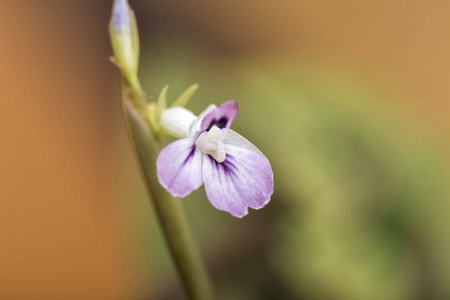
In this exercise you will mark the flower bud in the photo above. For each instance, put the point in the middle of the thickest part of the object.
(124, 38)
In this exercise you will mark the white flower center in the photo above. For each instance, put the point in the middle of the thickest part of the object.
(211, 142)
(180, 122)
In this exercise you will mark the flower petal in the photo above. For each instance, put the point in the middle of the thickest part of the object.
(179, 167)
(235, 139)
(177, 121)
(222, 117)
(197, 123)
(211, 143)
(244, 179)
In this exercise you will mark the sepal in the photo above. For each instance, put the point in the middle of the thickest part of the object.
(186, 96)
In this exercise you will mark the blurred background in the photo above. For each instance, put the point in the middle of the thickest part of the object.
(348, 99)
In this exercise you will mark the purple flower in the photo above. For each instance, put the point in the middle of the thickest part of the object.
(235, 173)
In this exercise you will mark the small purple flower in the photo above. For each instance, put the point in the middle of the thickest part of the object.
(235, 173)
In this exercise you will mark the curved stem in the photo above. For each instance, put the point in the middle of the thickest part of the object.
(170, 213)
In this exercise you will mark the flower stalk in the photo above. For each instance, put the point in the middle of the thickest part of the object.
(147, 144)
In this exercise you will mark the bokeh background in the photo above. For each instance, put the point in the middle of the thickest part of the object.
(348, 99)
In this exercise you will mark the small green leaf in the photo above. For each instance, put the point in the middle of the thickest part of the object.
(162, 99)
(154, 111)
(186, 96)
(151, 115)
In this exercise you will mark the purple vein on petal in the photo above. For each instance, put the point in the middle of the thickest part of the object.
(179, 167)
(191, 154)
(222, 117)
(248, 181)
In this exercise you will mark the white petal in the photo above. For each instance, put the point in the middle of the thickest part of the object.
(177, 121)
(235, 139)
(211, 143)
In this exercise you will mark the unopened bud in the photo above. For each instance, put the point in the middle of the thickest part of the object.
(124, 37)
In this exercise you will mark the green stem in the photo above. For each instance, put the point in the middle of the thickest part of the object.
(169, 210)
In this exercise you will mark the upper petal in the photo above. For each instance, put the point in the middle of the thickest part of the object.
(179, 167)
(177, 121)
(222, 117)
(244, 179)
(197, 123)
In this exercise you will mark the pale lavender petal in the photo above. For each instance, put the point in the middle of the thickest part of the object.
(222, 117)
(244, 179)
(179, 167)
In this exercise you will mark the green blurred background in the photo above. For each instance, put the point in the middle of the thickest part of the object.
(348, 100)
